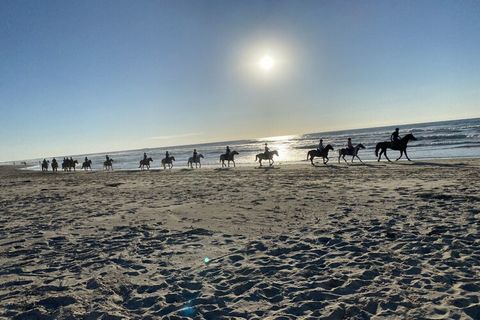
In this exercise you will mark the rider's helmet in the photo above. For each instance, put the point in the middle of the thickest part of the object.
(396, 129)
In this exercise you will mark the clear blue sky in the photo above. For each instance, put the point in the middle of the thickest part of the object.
(91, 76)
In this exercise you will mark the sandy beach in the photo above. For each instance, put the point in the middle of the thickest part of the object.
(380, 241)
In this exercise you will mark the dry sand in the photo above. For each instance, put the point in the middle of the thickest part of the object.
(381, 241)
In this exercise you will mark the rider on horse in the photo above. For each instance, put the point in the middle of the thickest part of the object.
(144, 156)
(350, 146)
(195, 154)
(267, 150)
(395, 137)
(167, 155)
(227, 153)
(320, 146)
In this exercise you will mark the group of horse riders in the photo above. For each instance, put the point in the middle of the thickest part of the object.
(321, 151)
(394, 138)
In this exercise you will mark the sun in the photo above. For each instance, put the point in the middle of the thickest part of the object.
(266, 63)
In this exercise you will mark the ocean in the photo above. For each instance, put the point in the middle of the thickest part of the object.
(436, 140)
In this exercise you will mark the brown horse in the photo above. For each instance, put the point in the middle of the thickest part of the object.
(400, 145)
(168, 161)
(145, 163)
(317, 153)
(350, 152)
(45, 165)
(197, 162)
(108, 165)
(264, 156)
(87, 165)
(231, 157)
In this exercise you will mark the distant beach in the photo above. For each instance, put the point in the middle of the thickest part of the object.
(436, 140)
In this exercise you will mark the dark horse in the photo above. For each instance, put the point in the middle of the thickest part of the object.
(231, 157)
(316, 153)
(400, 145)
(45, 165)
(350, 152)
(87, 165)
(145, 163)
(69, 164)
(168, 161)
(269, 157)
(108, 165)
(54, 165)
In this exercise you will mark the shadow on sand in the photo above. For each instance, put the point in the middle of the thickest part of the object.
(431, 164)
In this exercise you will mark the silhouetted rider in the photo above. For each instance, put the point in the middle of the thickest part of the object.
(350, 145)
(227, 152)
(267, 150)
(195, 154)
(167, 155)
(320, 146)
(144, 156)
(395, 137)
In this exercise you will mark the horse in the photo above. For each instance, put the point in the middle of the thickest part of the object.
(349, 152)
(108, 165)
(230, 157)
(400, 145)
(168, 161)
(264, 156)
(68, 164)
(45, 165)
(54, 165)
(316, 153)
(191, 161)
(145, 163)
(87, 165)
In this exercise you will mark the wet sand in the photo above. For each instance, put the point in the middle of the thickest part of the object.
(376, 241)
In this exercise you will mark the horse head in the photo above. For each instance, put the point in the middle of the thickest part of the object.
(275, 152)
(234, 152)
(329, 147)
(409, 137)
(360, 146)
(172, 158)
(200, 156)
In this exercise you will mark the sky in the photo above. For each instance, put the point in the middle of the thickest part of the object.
(90, 76)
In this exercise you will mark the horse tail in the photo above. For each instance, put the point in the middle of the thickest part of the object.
(308, 155)
(377, 148)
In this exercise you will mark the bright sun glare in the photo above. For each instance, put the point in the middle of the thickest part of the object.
(266, 63)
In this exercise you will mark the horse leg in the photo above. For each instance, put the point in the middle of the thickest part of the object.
(406, 155)
(339, 155)
(233, 163)
(343, 157)
(401, 155)
(385, 153)
(260, 161)
(359, 159)
(326, 161)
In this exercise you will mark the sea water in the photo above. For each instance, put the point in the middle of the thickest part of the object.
(446, 139)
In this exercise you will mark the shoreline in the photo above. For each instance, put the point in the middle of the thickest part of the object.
(287, 164)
